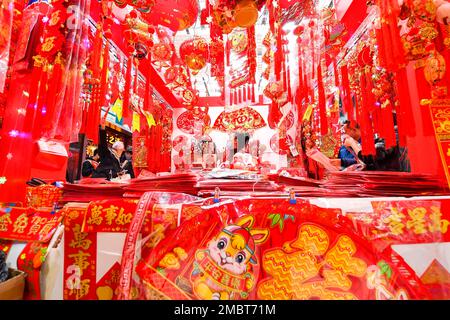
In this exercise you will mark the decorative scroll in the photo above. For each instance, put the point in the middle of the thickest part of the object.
(440, 117)
(26, 224)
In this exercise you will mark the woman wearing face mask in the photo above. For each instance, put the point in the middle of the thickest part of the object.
(109, 167)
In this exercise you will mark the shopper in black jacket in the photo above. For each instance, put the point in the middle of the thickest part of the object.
(90, 165)
(110, 164)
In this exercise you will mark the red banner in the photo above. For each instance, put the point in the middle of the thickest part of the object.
(27, 224)
(440, 117)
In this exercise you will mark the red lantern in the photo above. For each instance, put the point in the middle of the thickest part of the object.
(142, 5)
(194, 53)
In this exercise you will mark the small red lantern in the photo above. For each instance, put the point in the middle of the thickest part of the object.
(194, 53)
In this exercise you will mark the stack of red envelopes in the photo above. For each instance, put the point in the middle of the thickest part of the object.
(92, 190)
(179, 182)
(380, 183)
(241, 186)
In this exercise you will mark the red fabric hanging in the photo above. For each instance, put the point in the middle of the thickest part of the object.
(388, 126)
(41, 108)
(53, 91)
(322, 102)
(367, 135)
(36, 76)
(348, 106)
(126, 93)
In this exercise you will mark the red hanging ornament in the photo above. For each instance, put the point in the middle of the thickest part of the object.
(322, 102)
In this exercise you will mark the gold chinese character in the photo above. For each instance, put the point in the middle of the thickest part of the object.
(110, 214)
(5, 220)
(49, 226)
(82, 290)
(96, 215)
(124, 218)
(21, 223)
(36, 224)
(235, 283)
(80, 259)
(417, 221)
(79, 238)
(437, 224)
(115, 276)
(395, 222)
(225, 279)
(48, 44)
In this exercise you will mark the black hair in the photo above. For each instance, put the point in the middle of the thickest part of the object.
(95, 152)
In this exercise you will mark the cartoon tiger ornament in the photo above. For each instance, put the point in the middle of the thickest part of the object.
(224, 270)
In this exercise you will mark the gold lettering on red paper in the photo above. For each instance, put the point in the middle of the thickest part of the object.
(124, 218)
(417, 220)
(79, 239)
(394, 222)
(437, 224)
(5, 220)
(20, 224)
(96, 217)
(110, 214)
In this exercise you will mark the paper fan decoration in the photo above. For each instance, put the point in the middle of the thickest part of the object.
(188, 121)
(289, 120)
(281, 146)
(242, 120)
(179, 142)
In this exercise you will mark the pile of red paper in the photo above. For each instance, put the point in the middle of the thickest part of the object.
(240, 186)
(92, 190)
(180, 182)
(379, 183)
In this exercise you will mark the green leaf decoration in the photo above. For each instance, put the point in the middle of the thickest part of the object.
(275, 219)
(389, 273)
(270, 216)
(281, 224)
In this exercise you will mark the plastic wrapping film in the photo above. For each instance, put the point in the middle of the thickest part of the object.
(271, 248)
(6, 23)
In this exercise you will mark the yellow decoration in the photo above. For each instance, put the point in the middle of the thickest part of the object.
(136, 125)
(117, 108)
(308, 112)
(246, 13)
(105, 293)
(150, 120)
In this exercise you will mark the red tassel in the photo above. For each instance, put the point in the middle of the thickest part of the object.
(322, 103)
(235, 96)
(240, 94)
(253, 93)
(244, 93)
(52, 93)
(36, 77)
(126, 93)
(367, 136)
(348, 106)
(104, 78)
(41, 108)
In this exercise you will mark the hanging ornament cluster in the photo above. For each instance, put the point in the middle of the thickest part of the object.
(144, 6)
(176, 15)
(139, 35)
(194, 52)
(47, 72)
(229, 14)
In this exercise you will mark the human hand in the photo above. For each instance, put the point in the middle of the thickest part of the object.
(336, 162)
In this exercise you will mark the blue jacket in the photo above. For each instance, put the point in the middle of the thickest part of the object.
(347, 158)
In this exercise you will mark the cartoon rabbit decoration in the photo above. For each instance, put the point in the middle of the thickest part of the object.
(223, 271)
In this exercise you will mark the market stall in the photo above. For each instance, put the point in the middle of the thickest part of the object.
(245, 149)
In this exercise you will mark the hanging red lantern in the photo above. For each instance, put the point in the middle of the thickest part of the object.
(194, 53)
(434, 68)
(144, 6)
(176, 15)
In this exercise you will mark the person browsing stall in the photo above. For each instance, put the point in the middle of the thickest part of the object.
(90, 165)
(110, 163)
